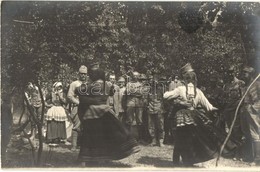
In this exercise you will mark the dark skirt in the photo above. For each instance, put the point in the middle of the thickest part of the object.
(105, 138)
(56, 131)
(198, 140)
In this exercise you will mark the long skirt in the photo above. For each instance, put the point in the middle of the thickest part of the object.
(56, 131)
(197, 140)
(105, 138)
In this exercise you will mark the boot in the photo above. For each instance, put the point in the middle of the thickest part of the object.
(32, 138)
(248, 151)
(74, 140)
(140, 134)
(256, 149)
(127, 127)
(154, 142)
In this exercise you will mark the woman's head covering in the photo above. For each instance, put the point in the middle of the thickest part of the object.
(83, 69)
(186, 68)
(57, 84)
(190, 77)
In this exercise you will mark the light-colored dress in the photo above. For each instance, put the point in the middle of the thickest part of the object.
(187, 114)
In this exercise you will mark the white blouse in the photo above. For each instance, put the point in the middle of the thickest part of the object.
(180, 92)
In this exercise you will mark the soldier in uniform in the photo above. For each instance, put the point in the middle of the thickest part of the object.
(250, 115)
(232, 93)
(74, 100)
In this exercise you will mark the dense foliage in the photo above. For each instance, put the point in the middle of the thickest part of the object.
(45, 41)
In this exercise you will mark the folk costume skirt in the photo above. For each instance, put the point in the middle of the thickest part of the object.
(56, 126)
(197, 140)
(105, 138)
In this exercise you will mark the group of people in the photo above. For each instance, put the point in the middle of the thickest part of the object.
(112, 117)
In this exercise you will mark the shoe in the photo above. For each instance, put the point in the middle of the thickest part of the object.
(73, 149)
(249, 160)
(154, 142)
(252, 164)
(142, 142)
(83, 164)
(63, 141)
(176, 164)
(67, 143)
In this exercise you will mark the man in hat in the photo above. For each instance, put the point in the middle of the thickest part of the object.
(134, 107)
(113, 101)
(33, 95)
(121, 98)
(232, 95)
(74, 100)
(156, 110)
(145, 88)
(250, 115)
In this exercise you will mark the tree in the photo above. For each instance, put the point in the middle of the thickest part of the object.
(46, 41)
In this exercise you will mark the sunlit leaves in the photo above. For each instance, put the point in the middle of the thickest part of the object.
(150, 37)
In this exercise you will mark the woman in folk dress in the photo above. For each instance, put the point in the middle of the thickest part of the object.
(103, 135)
(196, 139)
(56, 115)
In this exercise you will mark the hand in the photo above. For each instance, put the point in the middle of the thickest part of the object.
(214, 108)
(58, 94)
(48, 105)
(185, 103)
(169, 98)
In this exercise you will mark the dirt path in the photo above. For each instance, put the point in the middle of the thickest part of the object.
(19, 155)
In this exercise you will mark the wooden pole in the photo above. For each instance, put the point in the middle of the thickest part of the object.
(235, 117)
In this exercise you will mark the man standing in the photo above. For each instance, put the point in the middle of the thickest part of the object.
(250, 115)
(34, 98)
(74, 100)
(113, 101)
(169, 113)
(155, 111)
(134, 110)
(121, 94)
(232, 94)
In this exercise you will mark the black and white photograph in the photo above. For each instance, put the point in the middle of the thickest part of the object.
(130, 85)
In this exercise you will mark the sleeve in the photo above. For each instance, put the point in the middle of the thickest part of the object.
(62, 98)
(71, 94)
(256, 97)
(124, 100)
(171, 94)
(48, 100)
(204, 101)
(112, 90)
(171, 86)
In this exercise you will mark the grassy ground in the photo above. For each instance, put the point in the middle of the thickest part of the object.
(19, 156)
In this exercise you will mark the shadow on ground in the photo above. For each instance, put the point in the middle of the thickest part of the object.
(55, 159)
(154, 161)
(160, 163)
